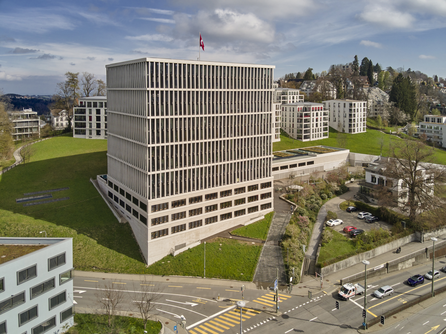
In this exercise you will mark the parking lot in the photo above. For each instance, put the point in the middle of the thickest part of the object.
(351, 219)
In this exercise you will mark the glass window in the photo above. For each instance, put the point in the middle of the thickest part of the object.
(66, 276)
(28, 315)
(2, 284)
(43, 287)
(3, 328)
(56, 261)
(26, 274)
(57, 300)
(44, 326)
(64, 315)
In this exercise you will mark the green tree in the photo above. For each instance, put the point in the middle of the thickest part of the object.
(308, 74)
(67, 94)
(355, 66)
(381, 79)
(377, 68)
(379, 121)
(403, 94)
(370, 73)
(364, 66)
(6, 142)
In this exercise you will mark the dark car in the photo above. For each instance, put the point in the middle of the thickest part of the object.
(351, 209)
(415, 280)
(371, 219)
(356, 232)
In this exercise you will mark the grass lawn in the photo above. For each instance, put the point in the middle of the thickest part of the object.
(257, 230)
(344, 205)
(338, 246)
(99, 241)
(366, 143)
(225, 258)
(97, 324)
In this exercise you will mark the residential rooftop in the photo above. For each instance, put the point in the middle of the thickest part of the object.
(11, 252)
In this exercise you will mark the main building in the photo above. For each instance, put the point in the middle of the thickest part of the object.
(189, 149)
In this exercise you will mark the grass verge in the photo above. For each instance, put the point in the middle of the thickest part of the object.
(225, 258)
(257, 230)
(97, 324)
(337, 247)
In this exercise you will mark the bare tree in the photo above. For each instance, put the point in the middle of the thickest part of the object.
(109, 297)
(27, 152)
(145, 297)
(411, 168)
(101, 88)
(6, 142)
(89, 83)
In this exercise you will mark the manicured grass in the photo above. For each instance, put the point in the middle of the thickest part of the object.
(337, 247)
(257, 230)
(100, 243)
(97, 324)
(344, 205)
(225, 258)
(366, 143)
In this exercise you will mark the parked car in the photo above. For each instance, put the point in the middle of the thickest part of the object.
(415, 280)
(334, 222)
(428, 275)
(348, 229)
(386, 290)
(356, 232)
(351, 209)
(362, 215)
(370, 219)
(443, 269)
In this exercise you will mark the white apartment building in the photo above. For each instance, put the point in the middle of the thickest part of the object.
(349, 116)
(189, 149)
(26, 124)
(283, 96)
(36, 289)
(59, 119)
(305, 121)
(377, 102)
(90, 118)
(434, 127)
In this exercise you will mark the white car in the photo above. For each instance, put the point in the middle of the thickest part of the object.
(383, 291)
(362, 215)
(334, 222)
(428, 275)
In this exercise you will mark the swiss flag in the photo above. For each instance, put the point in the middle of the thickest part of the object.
(201, 43)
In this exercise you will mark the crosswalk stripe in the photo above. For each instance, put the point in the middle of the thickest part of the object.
(237, 314)
(198, 329)
(230, 320)
(217, 324)
(267, 304)
(232, 316)
(216, 328)
(226, 323)
(207, 329)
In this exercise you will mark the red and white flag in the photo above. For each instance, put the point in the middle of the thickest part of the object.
(201, 43)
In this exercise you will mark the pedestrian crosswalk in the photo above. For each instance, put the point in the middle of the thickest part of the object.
(224, 322)
(269, 299)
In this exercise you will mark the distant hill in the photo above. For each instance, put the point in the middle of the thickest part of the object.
(39, 103)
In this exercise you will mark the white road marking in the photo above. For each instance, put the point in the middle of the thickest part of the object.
(425, 322)
(79, 291)
(176, 315)
(443, 313)
(289, 330)
(183, 308)
(313, 319)
(212, 316)
(74, 302)
(185, 303)
(333, 309)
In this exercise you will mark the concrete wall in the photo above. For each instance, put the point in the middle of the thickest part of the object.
(351, 261)
(357, 159)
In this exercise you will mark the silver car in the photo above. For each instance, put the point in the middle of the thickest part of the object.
(383, 291)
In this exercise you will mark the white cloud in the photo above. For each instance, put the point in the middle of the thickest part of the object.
(167, 21)
(8, 77)
(383, 14)
(34, 20)
(150, 38)
(370, 43)
(434, 7)
(426, 57)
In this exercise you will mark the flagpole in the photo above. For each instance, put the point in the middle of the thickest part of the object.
(199, 45)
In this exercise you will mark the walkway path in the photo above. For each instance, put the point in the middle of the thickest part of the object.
(271, 257)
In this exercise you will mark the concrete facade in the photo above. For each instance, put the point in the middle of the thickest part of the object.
(36, 289)
(90, 118)
(434, 127)
(26, 124)
(189, 149)
(348, 116)
(305, 121)
(59, 119)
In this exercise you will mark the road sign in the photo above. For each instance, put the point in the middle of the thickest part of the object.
(337, 305)
(383, 318)
(175, 328)
(275, 284)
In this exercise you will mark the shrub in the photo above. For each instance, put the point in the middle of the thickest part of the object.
(323, 197)
(331, 215)
(327, 235)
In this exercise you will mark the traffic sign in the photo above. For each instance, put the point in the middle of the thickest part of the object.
(275, 284)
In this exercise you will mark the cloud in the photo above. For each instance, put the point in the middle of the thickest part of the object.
(152, 10)
(110, 59)
(45, 56)
(426, 57)
(23, 51)
(91, 58)
(167, 21)
(383, 14)
(6, 39)
(8, 77)
(370, 43)
(72, 64)
(147, 38)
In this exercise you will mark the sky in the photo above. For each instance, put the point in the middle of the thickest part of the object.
(41, 40)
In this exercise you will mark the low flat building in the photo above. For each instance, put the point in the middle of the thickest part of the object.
(305, 121)
(348, 116)
(90, 118)
(26, 124)
(36, 286)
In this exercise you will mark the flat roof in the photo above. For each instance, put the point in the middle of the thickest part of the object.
(304, 153)
(11, 252)
(93, 98)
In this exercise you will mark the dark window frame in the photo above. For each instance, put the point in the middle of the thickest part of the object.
(50, 300)
(57, 260)
(28, 316)
(34, 294)
(28, 277)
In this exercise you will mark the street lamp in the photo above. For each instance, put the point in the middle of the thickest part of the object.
(43, 232)
(241, 304)
(433, 266)
(366, 263)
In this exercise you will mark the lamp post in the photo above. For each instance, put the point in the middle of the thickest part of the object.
(43, 232)
(204, 272)
(365, 292)
(433, 266)
(241, 304)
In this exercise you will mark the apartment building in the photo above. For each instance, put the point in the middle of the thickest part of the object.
(36, 288)
(90, 118)
(59, 119)
(349, 116)
(434, 127)
(26, 124)
(189, 149)
(305, 121)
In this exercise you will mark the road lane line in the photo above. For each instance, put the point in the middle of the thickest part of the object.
(89, 280)
(182, 308)
(289, 330)
(232, 290)
(210, 317)
(199, 287)
(425, 322)
(313, 319)
(362, 307)
(334, 309)
(174, 286)
(118, 283)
